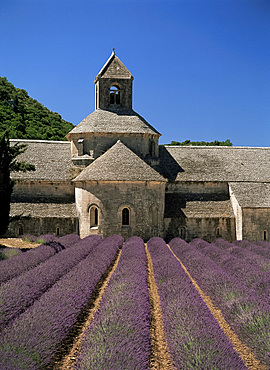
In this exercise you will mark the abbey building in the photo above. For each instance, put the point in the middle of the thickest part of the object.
(113, 177)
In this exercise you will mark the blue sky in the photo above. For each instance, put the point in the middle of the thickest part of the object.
(201, 67)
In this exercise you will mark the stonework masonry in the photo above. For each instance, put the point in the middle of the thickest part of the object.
(112, 177)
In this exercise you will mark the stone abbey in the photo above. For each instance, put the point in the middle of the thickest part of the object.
(113, 177)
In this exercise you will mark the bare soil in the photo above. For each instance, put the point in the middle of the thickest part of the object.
(160, 358)
(17, 243)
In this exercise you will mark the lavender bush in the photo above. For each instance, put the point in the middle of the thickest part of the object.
(24, 261)
(69, 240)
(263, 244)
(119, 336)
(42, 239)
(262, 250)
(32, 339)
(6, 252)
(221, 243)
(21, 292)
(248, 316)
(194, 337)
(242, 264)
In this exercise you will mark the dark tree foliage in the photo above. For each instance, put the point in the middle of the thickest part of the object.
(8, 164)
(26, 118)
(202, 143)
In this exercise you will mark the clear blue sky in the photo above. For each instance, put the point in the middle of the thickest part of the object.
(201, 67)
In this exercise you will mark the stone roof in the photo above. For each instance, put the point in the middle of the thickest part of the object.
(251, 195)
(197, 163)
(42, 210)
(52, 160)
(119, 163)
(114, 68)
(115, 119)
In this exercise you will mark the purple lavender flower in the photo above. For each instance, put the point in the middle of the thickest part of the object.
(119, 336)
(33, 338)
(194, 337)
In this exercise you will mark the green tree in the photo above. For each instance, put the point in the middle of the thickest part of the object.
(8, 164)
(202, 143)
(26, 118)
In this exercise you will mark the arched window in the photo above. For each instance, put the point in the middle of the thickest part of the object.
(93, 217)
(20, 231)
(265, 235)
(182, 232)
(57, 231)
(125, 217)
(218, 231)
(114, 95)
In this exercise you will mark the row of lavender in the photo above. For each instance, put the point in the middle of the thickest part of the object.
(20, 292)
(22, 262)
(230, 284)
(250, 268)
(32, 339)
(119, 336)
(194, 337)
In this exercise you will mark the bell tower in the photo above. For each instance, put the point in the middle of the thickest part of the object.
(114, 85)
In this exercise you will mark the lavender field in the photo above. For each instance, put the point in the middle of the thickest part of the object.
(92, 304)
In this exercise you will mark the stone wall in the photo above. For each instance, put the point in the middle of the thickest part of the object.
(25, 190)
(41, 226)
(256, 224)
(144, 199)
(204, 228)
(213, 188)
(96, 144)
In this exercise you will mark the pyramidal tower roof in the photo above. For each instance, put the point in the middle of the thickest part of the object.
(114, 120)
(119, 163)
(110, 115)
(114, 68)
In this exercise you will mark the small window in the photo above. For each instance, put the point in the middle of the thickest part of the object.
(218, 231)
(125, 217)
(114, 95)
(182, 232)
(20, 231)
(265, 235)
(93, 217)
(152, 148)
(57, 231)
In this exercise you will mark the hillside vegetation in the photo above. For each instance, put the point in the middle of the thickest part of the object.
(26, 118)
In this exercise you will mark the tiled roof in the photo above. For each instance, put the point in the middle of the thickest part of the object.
(42, 210)
(52, 160)
(114, 68)
(115, 119)
(191, 163)
(251, 195)
(119, 163)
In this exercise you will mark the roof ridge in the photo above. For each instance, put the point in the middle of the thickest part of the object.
(117, 164)
(214, 146)
(41, 141)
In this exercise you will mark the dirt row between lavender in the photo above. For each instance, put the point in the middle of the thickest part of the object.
(160, 358)
(244, 352)
(65, 359)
